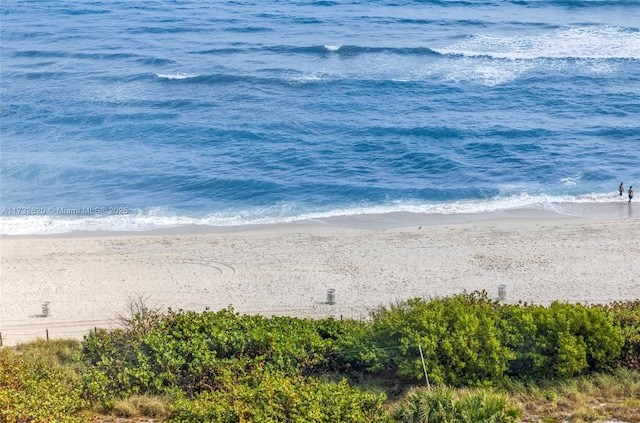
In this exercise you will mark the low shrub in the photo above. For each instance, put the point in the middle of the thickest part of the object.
(459, 336)
(279, 398)
(36, 392)
(447, 405)
(562, 340)
(627, 316)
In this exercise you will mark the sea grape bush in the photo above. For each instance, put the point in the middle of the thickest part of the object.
(196, 350)
(226, 367)
(627, 316)
(470, 340)
(276, 397)
(459, 336)
(561, 340)
(117, 363)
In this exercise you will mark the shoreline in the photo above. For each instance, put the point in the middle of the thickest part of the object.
(614, 208)
(286, 269)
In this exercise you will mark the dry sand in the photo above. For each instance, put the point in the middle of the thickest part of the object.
(286, 270)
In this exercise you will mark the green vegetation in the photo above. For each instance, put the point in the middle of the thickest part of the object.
(626, 315)
(443, 405)
(32, 391)
(486, 361)
(460, 339)
(601, 396)
(562, 340)
(277, 398)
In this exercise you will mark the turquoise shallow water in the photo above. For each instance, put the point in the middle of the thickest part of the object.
(119, 116)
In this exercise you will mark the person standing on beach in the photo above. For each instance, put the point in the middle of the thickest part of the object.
(630, 192)
(621, 188)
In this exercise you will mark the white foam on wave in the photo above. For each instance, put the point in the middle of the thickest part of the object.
(571, 180)
(55, 224)
(566, 43)
(492, 60)
(179, 75)
(484, 72)
(307, 78)
(288, 213)
(332, 47)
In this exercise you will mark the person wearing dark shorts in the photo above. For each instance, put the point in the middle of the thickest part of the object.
(621, 188)
(630, 192)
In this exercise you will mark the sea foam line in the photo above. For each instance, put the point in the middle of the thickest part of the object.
(152, 219)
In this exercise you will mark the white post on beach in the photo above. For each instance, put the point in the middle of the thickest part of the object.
(45, 309)
(331, 296)
(502, 292)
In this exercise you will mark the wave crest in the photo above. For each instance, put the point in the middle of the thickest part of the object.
(171, 76)
(566, 43)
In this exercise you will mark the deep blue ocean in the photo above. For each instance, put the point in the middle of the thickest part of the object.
(140, 115)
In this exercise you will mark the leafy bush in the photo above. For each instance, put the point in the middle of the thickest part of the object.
(627, 316)
(36, 392)
(275, 397)
(561, 340)
(460, 339)
(195, 351)
(469, 340)
(118, 364)
(447, 405)
(119, 361)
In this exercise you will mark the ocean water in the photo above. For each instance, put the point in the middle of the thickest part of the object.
(124, 116)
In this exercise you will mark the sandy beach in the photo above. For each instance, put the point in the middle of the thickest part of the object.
(88, 279)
